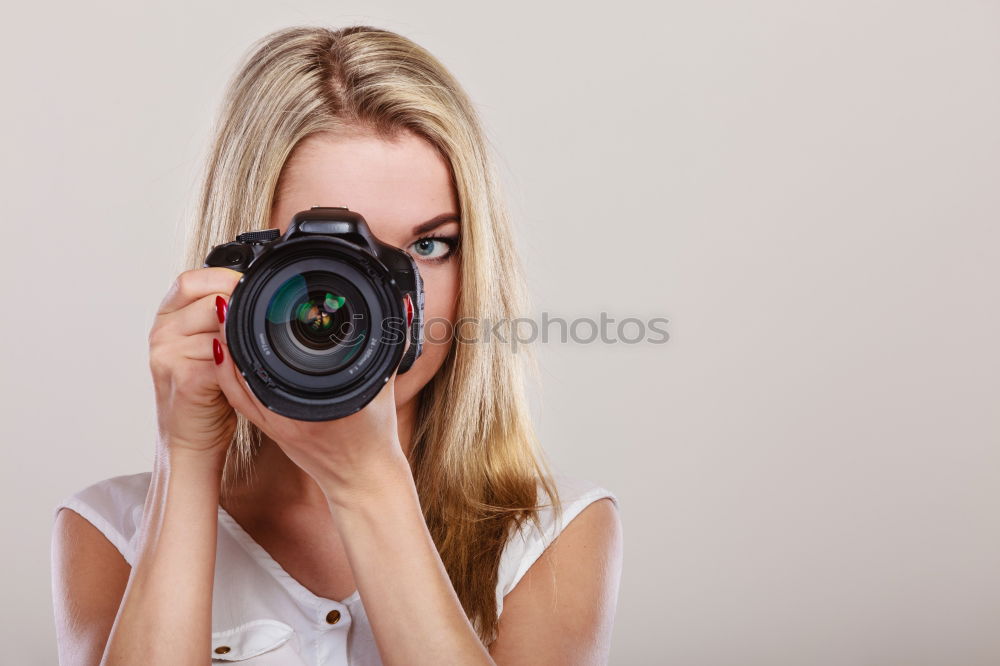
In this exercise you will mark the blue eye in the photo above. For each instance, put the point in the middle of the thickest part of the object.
(432, 249)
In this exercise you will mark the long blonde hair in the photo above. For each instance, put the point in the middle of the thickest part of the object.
(475, 459)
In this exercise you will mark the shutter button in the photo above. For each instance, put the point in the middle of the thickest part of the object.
(333, 617)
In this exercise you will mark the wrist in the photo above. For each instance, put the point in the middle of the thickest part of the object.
(175, 457)
(188, 480)
(371, 483)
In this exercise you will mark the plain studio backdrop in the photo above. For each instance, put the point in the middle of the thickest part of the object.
(809, 470)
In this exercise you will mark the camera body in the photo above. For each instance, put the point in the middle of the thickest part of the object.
(323, 313)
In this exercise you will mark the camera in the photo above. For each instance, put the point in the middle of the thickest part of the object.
(323, 313)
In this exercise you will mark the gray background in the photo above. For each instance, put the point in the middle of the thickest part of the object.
(809, 471)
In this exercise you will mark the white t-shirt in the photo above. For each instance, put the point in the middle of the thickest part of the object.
(263, 616)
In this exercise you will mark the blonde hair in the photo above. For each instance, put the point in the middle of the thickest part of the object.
(475, 459)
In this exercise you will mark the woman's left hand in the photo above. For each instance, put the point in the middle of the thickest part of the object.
(343, 456)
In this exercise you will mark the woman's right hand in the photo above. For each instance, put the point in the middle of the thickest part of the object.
(192, 411)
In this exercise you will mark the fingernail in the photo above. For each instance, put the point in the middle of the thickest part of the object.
(221, 308)
(409, 310)
(217, 351)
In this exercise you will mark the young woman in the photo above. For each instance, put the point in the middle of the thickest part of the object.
(420, 530)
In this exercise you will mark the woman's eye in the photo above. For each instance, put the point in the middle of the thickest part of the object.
(432, 248)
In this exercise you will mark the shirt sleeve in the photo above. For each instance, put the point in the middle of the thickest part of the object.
(114, 506)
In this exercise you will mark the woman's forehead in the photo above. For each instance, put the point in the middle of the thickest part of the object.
(394, 185)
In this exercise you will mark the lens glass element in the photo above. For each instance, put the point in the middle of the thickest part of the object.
(317, 322)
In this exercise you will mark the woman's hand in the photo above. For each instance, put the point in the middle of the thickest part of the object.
(344, 455)
(192, 411)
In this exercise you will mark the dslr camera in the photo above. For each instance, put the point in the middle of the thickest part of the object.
(322, 315)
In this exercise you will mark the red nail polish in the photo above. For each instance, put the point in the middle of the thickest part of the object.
(217, 351)
(221, 308)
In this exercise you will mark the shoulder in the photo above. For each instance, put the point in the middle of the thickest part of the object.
(575, 495)
(114, 506)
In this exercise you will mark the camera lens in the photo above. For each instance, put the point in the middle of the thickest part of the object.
(317, 322)
(314, 324)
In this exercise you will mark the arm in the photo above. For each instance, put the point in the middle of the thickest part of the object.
(562, 611)
(158, 612)
(166, 613)
(414, 611)
(88, 580)
(163, 613)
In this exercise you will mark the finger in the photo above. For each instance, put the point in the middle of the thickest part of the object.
(221, 306)
(196, 347)
(237, 391)
(193, 347)
(194, 351)
(196, 283)
(407, 305)
(201, 316)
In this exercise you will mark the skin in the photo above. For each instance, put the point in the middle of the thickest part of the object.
(334, 503)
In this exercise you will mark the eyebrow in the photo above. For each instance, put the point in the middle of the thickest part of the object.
(434, 223)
